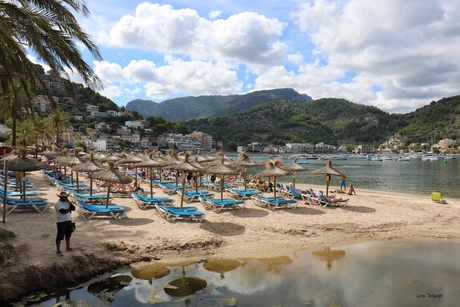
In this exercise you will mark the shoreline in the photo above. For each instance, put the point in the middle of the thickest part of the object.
(144, 237)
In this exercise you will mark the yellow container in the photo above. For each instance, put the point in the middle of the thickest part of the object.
(436, 196)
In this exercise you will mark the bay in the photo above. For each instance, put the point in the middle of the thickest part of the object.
(413, 177)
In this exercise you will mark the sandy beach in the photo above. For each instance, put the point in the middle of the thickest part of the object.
(143, 236)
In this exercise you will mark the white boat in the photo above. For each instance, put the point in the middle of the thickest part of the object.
(387, 158)
(430, 158)
(404, 159)
(376, 159)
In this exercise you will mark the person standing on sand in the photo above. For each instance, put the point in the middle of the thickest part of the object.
(63, 209)
(343, 184)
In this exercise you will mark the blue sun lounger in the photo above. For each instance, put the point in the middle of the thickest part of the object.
(218, 204)
(174, 213)
(41, 205)
(87, 211)
(280, 203)
(143, 202)
(34, 193)
(190, 196)
(97, 197)
(243, 194)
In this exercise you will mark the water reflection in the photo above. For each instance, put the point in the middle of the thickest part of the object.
(390, 273)
(108, 287)
(329, 255)
(185, 285)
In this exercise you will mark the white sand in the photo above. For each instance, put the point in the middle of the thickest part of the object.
(251, 232)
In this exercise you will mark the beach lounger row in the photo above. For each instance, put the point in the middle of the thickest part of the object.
(173, 213)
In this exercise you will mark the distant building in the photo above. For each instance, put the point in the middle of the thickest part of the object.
(92, 108)
(204, 139)
(365, 149)
(78, 117)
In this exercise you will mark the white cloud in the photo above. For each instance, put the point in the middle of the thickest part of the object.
(108, 72)
(247, 38)
(400, 45)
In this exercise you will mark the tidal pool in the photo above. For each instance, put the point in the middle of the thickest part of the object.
(381, 273)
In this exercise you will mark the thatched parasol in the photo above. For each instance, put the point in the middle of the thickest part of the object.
(185, 167)
(328, 170)
(150, 163)
(221, 169)
(273, 170)
(21, 164)
(73, 160)
(89, 166)
(111, 175)
(293, 168)
(129, 159)
(244, 161)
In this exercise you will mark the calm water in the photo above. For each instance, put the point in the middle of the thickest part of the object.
(390, 273)
(415, 176)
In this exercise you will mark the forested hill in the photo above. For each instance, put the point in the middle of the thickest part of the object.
(186, 108)
(334, 121)
(435, 121)
(324, 120)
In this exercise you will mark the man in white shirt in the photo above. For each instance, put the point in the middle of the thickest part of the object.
(63, 209)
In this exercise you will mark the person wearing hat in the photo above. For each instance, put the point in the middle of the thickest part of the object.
(63, 209)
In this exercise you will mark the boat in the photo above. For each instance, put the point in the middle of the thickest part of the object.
(302, 162)
(403, 159)
(386, 158)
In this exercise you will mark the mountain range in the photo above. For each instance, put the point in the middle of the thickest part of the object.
(190, 107)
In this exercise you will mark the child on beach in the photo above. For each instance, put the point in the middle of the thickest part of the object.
(352, 190)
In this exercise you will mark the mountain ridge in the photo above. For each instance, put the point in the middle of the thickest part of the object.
(193, 107)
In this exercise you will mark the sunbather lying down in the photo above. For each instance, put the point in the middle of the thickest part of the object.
(333, 199)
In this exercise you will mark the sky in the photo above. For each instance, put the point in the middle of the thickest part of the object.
(396, 55)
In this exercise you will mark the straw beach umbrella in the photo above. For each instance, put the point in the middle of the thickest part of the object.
(21, 164)
(244, 161)
(273, 169)
(221, 169)
(150, 163)
(72, 161)
(89, 166)
(293, 168)
(328, 170)
(185, 167)
(129, 159)
(111, 175)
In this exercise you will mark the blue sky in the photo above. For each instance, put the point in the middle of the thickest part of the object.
(397, 55)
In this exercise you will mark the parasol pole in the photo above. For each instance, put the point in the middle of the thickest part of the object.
(151, 181)
(274, 186)
(78, 186)
(184, 175)
(221, 187)
(108, 194)
(328, 178)
(293, 179)
(245, 170)
(90, 186)
(5, 171)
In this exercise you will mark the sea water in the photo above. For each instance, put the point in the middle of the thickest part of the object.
(379, 273)
(414, 176)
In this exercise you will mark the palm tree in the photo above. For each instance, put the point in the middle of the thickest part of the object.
(58, 120)
(13, 104)
(26, 133)
(43, 129)
(49, 29)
